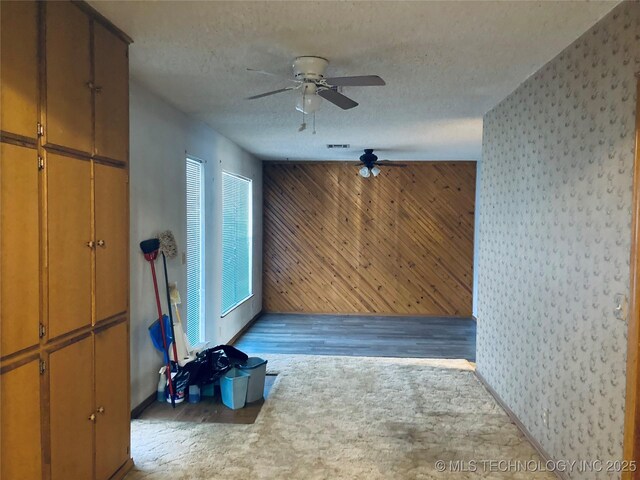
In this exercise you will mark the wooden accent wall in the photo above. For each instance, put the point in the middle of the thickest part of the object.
(401, 243)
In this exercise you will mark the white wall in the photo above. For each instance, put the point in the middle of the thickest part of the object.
(161, 138)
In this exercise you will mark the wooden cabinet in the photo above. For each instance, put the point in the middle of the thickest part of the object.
(19, 249)
(20, 438)
(90, 432)
(70, 243)
(112, 408)
(68, 77)
(71, 411)
(111, 233)
(64, 244)
(111, 94)
(19, 68)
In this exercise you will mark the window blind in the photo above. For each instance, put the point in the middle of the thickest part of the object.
(195, 257)
(236, 240)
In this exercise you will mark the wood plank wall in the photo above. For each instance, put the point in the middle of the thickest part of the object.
(401, 243)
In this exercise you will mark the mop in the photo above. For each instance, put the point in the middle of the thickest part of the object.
(168, 248)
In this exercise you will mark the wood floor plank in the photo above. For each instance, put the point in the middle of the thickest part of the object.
(352, 335)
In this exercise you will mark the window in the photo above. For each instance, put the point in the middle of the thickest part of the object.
(195, 251)
(236, 241)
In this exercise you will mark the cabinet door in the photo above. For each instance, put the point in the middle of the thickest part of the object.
(112, 241)
(69, 230)
(19, 248)
(71, 404)
(69, 96)
(112, 94)
(19, 68)
(20, 436)
(112, 400)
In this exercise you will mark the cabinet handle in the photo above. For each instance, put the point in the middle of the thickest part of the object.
(90, 85)
(100, 409)
(98, 89)
(92, 417)
(91, 244)
(101, 243)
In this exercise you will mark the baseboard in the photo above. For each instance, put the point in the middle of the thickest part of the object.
(541, 451)
(245, 328)
(137, 411)
(123, 470)
(356, 314)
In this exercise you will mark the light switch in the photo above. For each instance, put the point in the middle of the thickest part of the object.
(621, 306)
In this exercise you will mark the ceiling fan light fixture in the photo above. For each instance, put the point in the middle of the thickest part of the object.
(364, 172)
(375, 171)
(308, 104)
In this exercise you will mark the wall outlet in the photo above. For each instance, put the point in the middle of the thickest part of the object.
(545, 417)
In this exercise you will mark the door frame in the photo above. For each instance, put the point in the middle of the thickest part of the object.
(632, 410)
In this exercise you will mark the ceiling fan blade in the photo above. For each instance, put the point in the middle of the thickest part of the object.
(337, 99)
(263, 72)
(271, 93)
(361, 81)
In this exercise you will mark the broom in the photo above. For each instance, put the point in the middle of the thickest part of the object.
(150, 250)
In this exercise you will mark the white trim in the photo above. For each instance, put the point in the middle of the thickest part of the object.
(231, 309)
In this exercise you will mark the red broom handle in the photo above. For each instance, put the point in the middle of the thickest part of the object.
(155, 288)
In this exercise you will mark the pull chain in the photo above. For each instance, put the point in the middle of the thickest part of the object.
(303, 126)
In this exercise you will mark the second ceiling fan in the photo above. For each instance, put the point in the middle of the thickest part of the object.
(370, 164)
(308, 74)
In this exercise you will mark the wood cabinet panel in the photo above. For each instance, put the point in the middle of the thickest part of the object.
(20, 435)
(112, 379)
(69, 230)
(112, 94)
(19, 67)
(71, 404)
(68, 59)
(19, 248)
(112, 227)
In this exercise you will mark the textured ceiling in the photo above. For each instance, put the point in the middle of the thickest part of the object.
(445, 64)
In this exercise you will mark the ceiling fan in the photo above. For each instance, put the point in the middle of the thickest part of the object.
(308, 73)
(371, 164)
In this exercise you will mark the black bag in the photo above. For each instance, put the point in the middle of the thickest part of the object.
(212, 363)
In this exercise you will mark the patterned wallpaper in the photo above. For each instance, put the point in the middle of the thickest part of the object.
(554, 234)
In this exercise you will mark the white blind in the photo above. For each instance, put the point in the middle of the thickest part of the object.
(236, 240)
(195, 258)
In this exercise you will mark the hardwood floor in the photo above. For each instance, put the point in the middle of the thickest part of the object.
(375, 336)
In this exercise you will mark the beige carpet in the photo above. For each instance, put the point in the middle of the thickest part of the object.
(345, 418)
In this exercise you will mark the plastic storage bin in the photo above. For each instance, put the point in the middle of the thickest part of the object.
(233, 386)
(256, 367)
